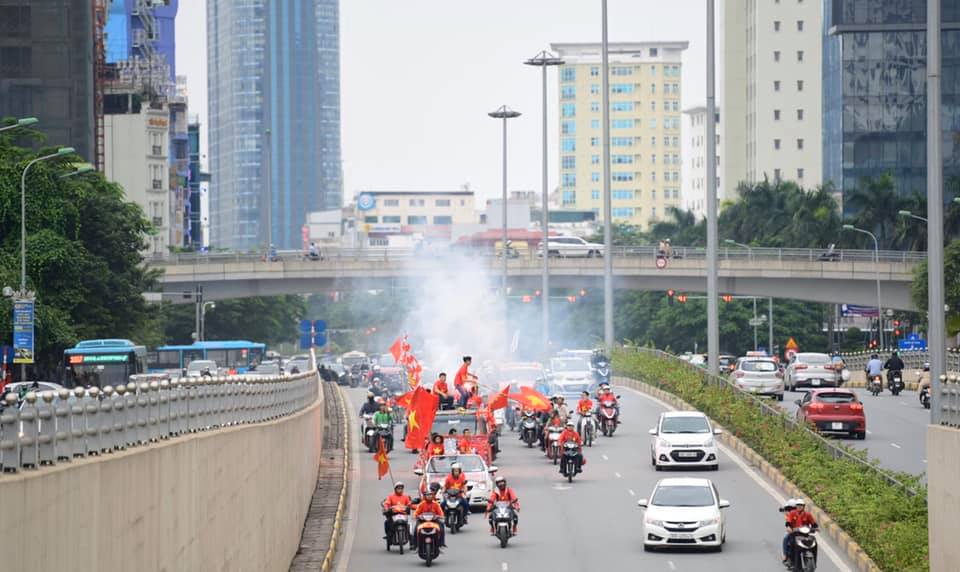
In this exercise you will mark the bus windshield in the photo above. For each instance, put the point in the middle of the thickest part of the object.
(98, 374)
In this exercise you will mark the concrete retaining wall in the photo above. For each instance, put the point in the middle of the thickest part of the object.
(943, 494)
(233, 499)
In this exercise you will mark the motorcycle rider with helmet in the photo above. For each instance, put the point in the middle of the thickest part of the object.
(369, 406)
(604, 393)
(396, 500)
(874, 367)
(503, 493)
(428, 504)
(570, 435)
(796, 517)
(456, 479)
(893, 365)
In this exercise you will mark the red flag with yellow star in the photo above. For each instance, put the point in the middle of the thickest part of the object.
(530, 398)
(499, 401)
(423, 408)
(383, 463)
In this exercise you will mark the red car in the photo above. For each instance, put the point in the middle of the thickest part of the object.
(836, 411)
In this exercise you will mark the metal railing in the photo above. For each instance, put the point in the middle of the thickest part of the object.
(914, 360)
(328, 255)
(767, 409)
(49, 427)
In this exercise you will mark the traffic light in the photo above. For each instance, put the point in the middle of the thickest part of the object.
(583, 292)
(726, 298)
(896, 332)
(571, 299)
(536, 293)
(682, 298)
(670, 297)
(527, 299)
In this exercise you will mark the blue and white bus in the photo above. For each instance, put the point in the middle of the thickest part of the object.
(235, 356)
(103, 362)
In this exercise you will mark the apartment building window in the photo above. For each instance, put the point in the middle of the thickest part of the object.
(595, 195)
(594, 71)
(594, 141)
(621, 142)
(621, 106)
(568, 180)
(595, 159)
(653, 105)
(621, 70)
(371, 219)
(416, 219)
(622, 177)
(622, 195)
(653, 195)
(417, 203)
(799, 143)
(653, 158)
(623, 159)
(595, 177)
(799, 55)
(776, 144)
(776, 55)
(653, 52)
(568, 110)
(594, 124)
(620, 88)
(395, 219)
(594, 89)
(568, 162)
(568, 127)
(800, 174)
(391, 202)
(443, 220)
(799, 25)
(653, 88)
(568, 144)
(443, 202)
(594, 106)
(623, 212)
(776, 85)
(776, 115)
(776, 174)
(776, 25)
(653, 70)
(799, 85)
(799, 115)
(568, 92)
(568, 74)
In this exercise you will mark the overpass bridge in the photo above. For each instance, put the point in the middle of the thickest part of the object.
(848, 276)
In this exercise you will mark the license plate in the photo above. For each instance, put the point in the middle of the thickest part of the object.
(682, 535)
(836, 426)
(686, 454)
(815, 382)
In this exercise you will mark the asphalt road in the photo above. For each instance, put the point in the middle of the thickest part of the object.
(896, 429)
(593, 523)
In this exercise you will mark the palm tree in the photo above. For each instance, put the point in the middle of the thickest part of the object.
(877, 206)
(673, 226)
(910, 233)
(815, 218)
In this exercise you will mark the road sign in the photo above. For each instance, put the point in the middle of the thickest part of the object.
(305, 326)
(756, 321)
(913, 342)
(790, 349)
(661, 262)
(319, 326)
(23, 320)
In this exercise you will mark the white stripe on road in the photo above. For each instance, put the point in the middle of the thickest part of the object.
(671, 565)
(770, 490)
(504, 567)
(633, 494)
(605, 458)
(895, 446)
(618, 475)
(869, 432)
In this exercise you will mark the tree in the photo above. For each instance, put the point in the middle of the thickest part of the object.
(878, 205)
(267, 319)
(84, 243)
(951, 269)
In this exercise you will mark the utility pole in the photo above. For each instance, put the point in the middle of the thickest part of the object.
(607, 197)
(937, 330)
(713, 311)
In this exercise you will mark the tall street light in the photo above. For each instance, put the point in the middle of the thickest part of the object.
(607, 197)
(81, 170)
(544, 60)
(755, 322)
(936, 324)
(713, 311)
(876, 259)
(909, 214)
(505, 113)
(26, 121)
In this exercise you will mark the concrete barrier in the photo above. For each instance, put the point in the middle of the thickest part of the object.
(943, 497)
(230, 500)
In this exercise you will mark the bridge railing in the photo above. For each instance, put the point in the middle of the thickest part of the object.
(914, 360)
(48, 428)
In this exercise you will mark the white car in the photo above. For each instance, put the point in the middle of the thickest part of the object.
(479, 476)
(684, 439)
(684, 512)
(571, 247)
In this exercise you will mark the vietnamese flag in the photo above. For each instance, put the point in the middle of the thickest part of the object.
(404, 400)
(414, 370)
(531, 399)
(396, 350)
(499, 401)
(423, 408)
(383, 463)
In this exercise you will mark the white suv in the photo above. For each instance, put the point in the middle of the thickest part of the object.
(571, 246)
(684, 439)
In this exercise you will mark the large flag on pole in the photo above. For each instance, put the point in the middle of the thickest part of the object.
(383, 463)
(499, 401)
(530, 398)
(423, 408)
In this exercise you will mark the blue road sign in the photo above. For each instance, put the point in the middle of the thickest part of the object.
(320, 339)
(23, 320)
(305, 326)
(306, 341)
(913, 342)
(319, 326)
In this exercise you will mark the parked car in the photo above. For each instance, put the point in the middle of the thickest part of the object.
(684, 439)
(684, 513)
(201, 367)
(811, 370)
(760, 376)
(570, 247)
(266, 368)
(835, 411)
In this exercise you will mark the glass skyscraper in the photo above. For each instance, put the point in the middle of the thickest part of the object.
(874, 93)
(274, 118)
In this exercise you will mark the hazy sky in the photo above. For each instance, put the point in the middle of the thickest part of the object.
(419, 76)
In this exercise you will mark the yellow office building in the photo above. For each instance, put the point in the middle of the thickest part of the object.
(645, 124)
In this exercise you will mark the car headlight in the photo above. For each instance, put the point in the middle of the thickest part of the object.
(710, 521)
(482, 486)
(653, 522)
(663, 443)
(709, 442)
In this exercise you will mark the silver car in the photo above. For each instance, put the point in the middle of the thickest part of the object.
(811, 370)
(760, 376)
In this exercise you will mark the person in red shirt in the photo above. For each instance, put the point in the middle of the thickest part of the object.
(474, 401)
(463, 375)
(796, 518)
(585, 405)
(428, 504)
(503, 493)
(570, 435)
(436, 445)
(457, 480)
(554, 421)
(465, 446)
(442, 390)
(396, 501)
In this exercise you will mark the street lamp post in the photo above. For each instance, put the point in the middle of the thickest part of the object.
(909, 214)
(505, 113)
(203, 319)
(26, 121)
(936, 321)
(607, 196)
(876, 259)
(81, 170)
(713, 315)
(544, 60)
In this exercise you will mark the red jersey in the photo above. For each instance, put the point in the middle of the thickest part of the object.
(429, 506)
(435, 449)
(397, 500)
(506, 495)
(474, 402)
(452, 482)
(570, 435)
(461, 376)
(585, 405)
(440, 386)
(798, 517)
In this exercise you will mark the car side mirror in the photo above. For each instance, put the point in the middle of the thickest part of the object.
(718, 431)
(619, 397)
(418, 472)
(492, 470)
(652, 431)
(642, 503)
(724, 503)
(797, 402)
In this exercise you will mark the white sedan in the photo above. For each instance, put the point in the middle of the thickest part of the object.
(684, 512)
(684, 439)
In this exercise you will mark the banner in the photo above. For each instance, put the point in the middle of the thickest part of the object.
(855, 311)
(23, 319)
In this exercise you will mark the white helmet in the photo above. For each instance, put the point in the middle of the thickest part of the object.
(456, 466)
(398, 485)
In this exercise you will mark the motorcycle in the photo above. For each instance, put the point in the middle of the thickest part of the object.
(353, 378)
(553, 443)
(875, 385)
(368, 431)
(385, 432)
(587, 428)
(399, 529)
(503, 521)
(925, 397)
(608, 417)
(895, 381)
(803, 556)
(428, 538)
(452, 510)
(569, 466)
(602, 372)
(529, 429)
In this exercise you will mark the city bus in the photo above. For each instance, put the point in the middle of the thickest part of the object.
(103, 362)
(234, 356)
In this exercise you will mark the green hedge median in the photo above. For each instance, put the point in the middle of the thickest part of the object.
(889, 523)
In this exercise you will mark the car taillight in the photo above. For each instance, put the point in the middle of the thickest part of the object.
(738, 374)
(801, 366)
(816, 407)
(856, 407)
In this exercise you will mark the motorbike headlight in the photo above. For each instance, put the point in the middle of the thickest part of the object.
(663, 443)
(653, 522)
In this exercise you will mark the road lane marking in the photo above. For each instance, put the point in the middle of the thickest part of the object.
(894, 445)
(559, 487)
(767, 487)
(633, 494)
(924, 461)
(869, 432)
(671, 565)
(605, 458)
(504, 567)
(618, 475)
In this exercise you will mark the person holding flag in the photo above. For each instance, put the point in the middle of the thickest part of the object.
(463, 376)
(474, 401)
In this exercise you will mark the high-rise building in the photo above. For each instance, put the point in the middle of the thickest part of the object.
(874, 86)
(274, 118)
(193, 215)
(47, 68)
(770, 96)
(645, 150)
(694, 173)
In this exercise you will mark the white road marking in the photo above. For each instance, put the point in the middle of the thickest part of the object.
(605, 458)
(895, 446)
(618, 475)
(924, 461)
(633, 494)
(504, 567)
(767, 487)
(869, 432)
(559, 487)
(671, 565)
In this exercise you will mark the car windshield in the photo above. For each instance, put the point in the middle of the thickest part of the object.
(684, 425)
(758, 366)
(268, 368)
(682, 496)
(813, 359)
(726, 360)
(521, 374)
(469, 464)
(836, 397)
(569, 364)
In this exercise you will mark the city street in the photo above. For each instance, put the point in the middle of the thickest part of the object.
(896, 429)
(593, 522)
